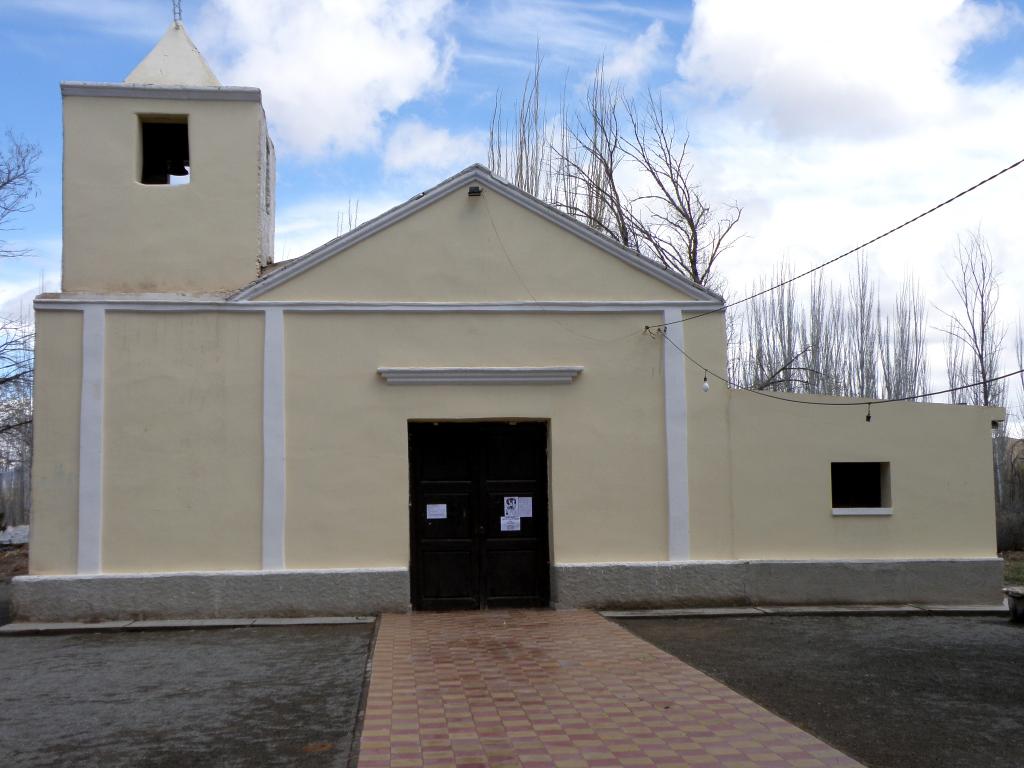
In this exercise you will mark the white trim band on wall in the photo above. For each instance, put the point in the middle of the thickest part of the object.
(274, 457)
(76, 302)
(520, 375)
(675, 439)
(90, 443)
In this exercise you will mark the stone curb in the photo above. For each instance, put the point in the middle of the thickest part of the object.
(70, 627)
(813, 610)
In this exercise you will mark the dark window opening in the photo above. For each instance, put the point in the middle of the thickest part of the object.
(165, 158)
(860, 484)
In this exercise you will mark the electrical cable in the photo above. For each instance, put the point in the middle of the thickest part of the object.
(850, 252)
(858, 402)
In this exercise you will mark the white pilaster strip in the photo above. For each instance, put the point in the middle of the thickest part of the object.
(90, 443)
(675, 439)
(273, 440)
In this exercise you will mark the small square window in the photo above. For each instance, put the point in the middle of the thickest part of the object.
(861, 488)
(165, 155)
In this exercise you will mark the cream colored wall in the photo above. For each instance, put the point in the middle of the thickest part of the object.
(941, 479)
(760, 477)
(183, 456)
(473, 249)
(183, 444)
(707, 432)
(57, 394)
(124, 236)
(347, 440)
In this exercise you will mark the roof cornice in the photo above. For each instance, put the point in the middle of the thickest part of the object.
(165, 92)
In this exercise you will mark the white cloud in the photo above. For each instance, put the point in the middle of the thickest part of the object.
(838, 125)
(839, 68)
(415, 146)
(329, 69)
(631, 62)
(570, 33)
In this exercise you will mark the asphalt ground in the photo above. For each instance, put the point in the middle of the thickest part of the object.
(892, 692)
(286, 696)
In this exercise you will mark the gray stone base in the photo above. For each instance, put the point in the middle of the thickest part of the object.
(285, 594)
(967, 581)
(213, 595)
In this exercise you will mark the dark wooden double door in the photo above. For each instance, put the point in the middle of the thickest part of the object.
(479, 514)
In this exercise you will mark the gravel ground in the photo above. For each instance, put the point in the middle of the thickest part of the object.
(218, 698)
(892, 692)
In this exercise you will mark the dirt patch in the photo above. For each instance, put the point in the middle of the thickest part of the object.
(14, 562)
(1013, 567)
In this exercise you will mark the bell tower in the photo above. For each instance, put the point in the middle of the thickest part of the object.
(168, 179)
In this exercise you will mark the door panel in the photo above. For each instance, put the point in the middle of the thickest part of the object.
(465, 479)
(449, 576)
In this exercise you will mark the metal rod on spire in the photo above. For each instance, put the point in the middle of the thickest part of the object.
(176, 10)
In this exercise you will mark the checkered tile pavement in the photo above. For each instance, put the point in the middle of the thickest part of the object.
(558, 689)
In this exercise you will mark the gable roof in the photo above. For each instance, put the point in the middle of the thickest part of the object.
(477, 174)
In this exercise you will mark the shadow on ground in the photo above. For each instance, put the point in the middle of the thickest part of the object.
(892, 692)
(241, 697)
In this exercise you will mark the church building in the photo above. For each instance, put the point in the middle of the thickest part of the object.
(470, 401)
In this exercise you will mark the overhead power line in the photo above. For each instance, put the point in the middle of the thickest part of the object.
(656, 330)
(850, 252)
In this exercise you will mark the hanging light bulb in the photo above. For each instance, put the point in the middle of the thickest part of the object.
(868, 417)
(706, 385)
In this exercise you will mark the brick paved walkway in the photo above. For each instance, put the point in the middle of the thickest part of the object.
(567, 689)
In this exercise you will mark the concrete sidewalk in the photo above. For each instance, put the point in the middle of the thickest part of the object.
(560, 689)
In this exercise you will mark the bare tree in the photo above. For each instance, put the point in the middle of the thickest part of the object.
(578, 165)
(519, 152)
(974, 345)
(16, 369)
(349, 221)
(587, 159)
(680, 226)
(773, 344)
(824, 338)
(837, 343)
(19, 160)
(902, 348)
(19, 163)
(974, 335)
(1020, 357)
(1009, 455)
(860, 328)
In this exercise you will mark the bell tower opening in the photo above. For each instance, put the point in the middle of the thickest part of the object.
(165, 155)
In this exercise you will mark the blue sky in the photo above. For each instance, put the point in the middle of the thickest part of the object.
(829, 122)
(480, 47)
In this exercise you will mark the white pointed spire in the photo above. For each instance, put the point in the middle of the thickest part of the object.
(175, 60)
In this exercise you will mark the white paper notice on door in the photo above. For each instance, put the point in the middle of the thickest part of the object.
(437, 511)
(509, 524)
(518, 506)
(525, 506)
